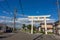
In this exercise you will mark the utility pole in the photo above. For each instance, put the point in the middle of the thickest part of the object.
(15, 11)
(58, 11)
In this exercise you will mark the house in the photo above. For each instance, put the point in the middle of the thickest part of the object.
(5, 28)
(2, 27)
(57, 27)
(49, 27)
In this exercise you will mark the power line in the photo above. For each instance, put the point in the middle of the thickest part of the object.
(7, 4)
(21, 7)
(2, 7)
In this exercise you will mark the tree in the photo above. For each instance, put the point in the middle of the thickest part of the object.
(24, 26)
(29, 27)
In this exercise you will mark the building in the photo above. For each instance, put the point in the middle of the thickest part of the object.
(49, 27)
(5, 28)
(2, 28)
(57, 27)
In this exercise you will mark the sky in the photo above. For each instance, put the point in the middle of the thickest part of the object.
(30, 7)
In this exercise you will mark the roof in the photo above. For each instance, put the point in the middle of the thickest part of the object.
(47, 23)
(57, 23)
(2, 24)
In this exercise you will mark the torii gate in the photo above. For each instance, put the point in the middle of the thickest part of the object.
(38, 18)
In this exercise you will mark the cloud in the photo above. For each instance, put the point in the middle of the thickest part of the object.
(7, 12)
(2, 16)
(1, 21)
(28, 21)
(5, 17)
(21, 21)
(22, 15)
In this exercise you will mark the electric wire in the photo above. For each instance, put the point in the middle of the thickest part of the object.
(20, 2)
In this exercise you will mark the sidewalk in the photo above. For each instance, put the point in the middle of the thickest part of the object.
(56, 36)
(5, 35)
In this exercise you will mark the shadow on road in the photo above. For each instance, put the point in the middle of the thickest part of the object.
(38, 37)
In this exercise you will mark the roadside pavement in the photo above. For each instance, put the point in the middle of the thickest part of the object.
(56, 36)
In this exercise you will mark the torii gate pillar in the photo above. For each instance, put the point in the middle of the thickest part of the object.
(45, 25)
(32, 26)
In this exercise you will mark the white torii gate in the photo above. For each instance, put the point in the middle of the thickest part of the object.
(38, 18)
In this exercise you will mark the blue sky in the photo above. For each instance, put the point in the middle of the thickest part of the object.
(30, 7)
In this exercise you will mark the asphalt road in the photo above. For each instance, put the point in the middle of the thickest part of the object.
(20, 36)
(26, 36)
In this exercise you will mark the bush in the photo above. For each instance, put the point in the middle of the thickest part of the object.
(42, 32)
(49, 32)
(34, 31)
